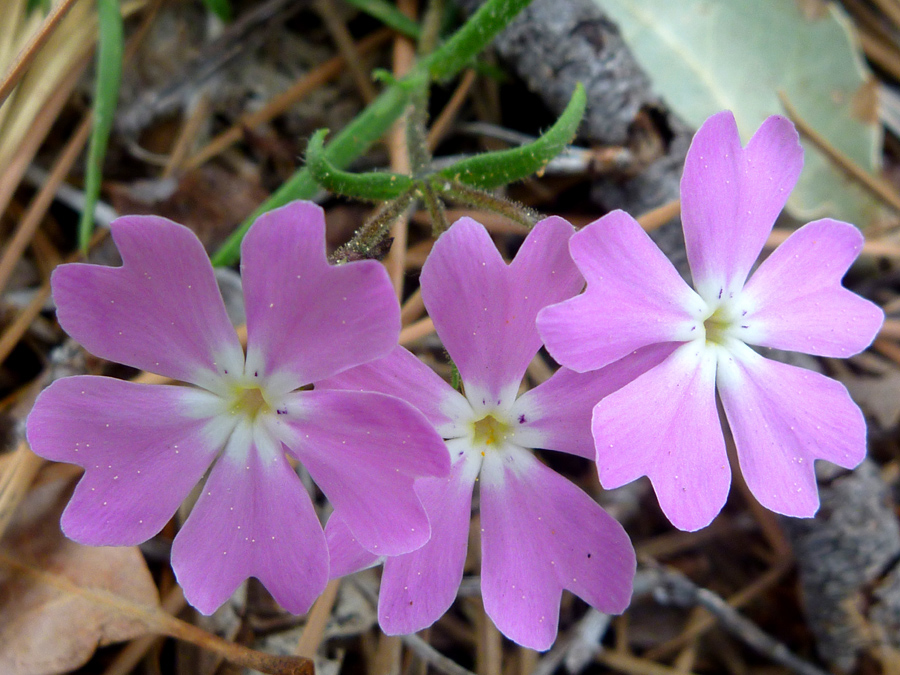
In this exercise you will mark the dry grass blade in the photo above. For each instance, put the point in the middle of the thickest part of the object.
(38, 208)
(31, 49)
(633, 665)
(160, 622)
(344, 41)
(416, 331)
(317, 620)
(15, 480)
(448, 114)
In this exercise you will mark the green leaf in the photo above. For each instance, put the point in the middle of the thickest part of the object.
(708, 55)
(34, 5)
(106, 95)
(493, 169)
(389, 15)
(221, 8)
(481, 28)
(376, 119)
(345, 146)
(375, 186)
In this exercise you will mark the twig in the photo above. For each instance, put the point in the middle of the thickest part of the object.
(312, 80)
(199, 111)
(442, 124)
(401, 155)
(344, 42)
(237, 38)
(875, 185)
(158, 621)
(134, 651)
(433, 657)
(673, 588)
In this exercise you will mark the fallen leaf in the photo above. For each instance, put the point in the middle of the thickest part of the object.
(46, 630)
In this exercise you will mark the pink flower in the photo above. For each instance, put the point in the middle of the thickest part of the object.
(539, 532)
(144, 447)
(664, 424)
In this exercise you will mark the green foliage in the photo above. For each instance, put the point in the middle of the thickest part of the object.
(375, 186)
(462, 47)
(389, 15)
(376, 119)
(34, 5)
(345, 146)
(221, 8)
(106, 95)
(493, 169)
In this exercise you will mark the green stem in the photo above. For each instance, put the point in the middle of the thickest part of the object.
(435, 209)
(376, 119)
(366, 243)
(492, 17)
(476, 199)
(345, 146)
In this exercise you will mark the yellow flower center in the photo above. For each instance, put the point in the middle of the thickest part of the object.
(250, 401)
(490, 431)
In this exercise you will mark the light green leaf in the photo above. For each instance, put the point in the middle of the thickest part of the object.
(709, 55)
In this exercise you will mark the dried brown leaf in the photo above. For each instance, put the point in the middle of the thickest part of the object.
(44, 629)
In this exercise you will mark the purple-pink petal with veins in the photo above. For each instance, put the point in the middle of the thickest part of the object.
(141, 450)
(345, 554)
(730, 197)
(634, 298)
(306, 319)
(161, 311)
(365, 450)
(795, 300)
(664, 425)
(541, 534)
(783, 418)
(419, 587)
(484, 309)
(403, 375)
(556, 415)
(253, 518)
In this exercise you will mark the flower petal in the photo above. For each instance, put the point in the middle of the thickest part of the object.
(634, 298)
(730, 197)
(795, 300)
(365, 450)
(142, 450)
(783, 418)
(345, 554)
(403, 375)
(306, 319)
(253, 518)
(417, 588)
(484, 310)
(541, 534)
(664, 425)
(556, 415)
(161, 311)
